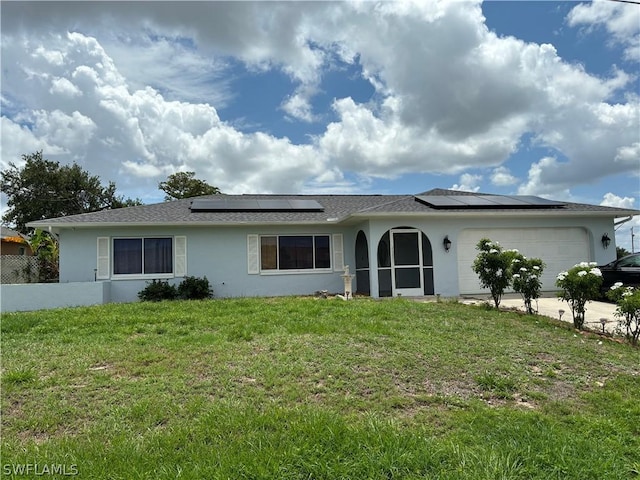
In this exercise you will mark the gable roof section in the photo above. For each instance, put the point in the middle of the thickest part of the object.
(335, 209)
(9, 235)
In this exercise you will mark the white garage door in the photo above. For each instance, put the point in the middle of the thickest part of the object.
(559, 249)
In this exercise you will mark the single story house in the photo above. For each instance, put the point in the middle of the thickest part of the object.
(269, 245)
(13, 243)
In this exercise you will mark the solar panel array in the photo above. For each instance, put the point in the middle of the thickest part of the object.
(254, 205)
(487, 201)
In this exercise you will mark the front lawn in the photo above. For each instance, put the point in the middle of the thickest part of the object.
(299, 388)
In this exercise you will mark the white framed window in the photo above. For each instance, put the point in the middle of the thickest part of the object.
(143, 256)
(305, 253)
(146, 257)
(294, 252)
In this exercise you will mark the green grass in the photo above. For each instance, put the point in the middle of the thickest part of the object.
(316, 389)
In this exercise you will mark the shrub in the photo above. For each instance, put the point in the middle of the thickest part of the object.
(193, 288)
(526, 273)
(579, 285)
(157, 291)
(492, 265)
(628, 311)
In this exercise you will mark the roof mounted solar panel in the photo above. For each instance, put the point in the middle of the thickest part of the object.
(440, 201)
(254, 205)
(487, 201)
(509, 201)
(478, 201)
(539, 201)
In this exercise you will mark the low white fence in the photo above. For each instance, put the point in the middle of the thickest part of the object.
(38, 296)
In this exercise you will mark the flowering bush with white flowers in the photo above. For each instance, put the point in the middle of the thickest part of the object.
(578, 286)
(526, 278)
(493, 267)
(628, 311)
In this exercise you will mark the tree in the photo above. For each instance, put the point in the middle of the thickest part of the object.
(628, 311)
(46, 248)
(493, 267)
(526, 273)
(622, 252)
(578, 285)
(185, 185)
(45, 189)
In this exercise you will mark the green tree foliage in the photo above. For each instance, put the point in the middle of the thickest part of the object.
(622, 252)
(526, 273)
(46, 248)
(578, 285)
(493, 267)
(628, 310)
(185, 185)
(45, 189)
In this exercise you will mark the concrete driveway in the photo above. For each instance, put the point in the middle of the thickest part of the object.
(550, 305)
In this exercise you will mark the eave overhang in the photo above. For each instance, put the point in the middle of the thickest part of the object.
(345, 220)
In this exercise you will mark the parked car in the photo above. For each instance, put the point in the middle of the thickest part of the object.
(625, 270)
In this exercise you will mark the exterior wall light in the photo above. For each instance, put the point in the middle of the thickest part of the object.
(605, 240)
(446, 243)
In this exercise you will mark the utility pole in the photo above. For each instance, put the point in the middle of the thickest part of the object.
(632, 235)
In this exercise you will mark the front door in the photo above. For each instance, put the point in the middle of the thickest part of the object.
(406, 263)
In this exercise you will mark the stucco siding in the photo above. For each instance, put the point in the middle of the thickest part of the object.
(38, 296)
(220, 254)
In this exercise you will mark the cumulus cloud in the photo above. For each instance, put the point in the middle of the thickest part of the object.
(623, 233)
(613, 200)
(538, 182)
(140, 91)
(145, 136)
(298, 105)
(621, 20)
(62, 86)
(468, 183)
(501, 177)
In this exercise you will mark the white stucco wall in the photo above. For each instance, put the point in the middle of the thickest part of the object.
(445, 264)
(220, 253)
(38, 296)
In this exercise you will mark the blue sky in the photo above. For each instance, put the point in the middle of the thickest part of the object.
(519, 97)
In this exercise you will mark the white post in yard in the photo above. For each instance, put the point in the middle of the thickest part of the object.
(347, 282)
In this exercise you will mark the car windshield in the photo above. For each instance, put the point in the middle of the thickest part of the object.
(631, 261)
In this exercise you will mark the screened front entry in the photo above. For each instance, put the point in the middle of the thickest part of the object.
(405, 263)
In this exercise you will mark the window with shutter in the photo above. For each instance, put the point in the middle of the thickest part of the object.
(181, 256)
(253, 255)
(103, 262)
(338, 253)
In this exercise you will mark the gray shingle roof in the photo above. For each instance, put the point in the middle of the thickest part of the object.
(337, 208)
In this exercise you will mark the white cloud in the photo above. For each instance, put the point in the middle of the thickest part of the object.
(18, 140)
(623, 232)
(629, 155)
(537, 183)
(70, 132)
(54, 57)
(146, 87)
(298, 105)
(62, 86)
(621, 20)
(468, 183)
(142, 135)
(501, 177)
(613, 200)
(169, 66)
